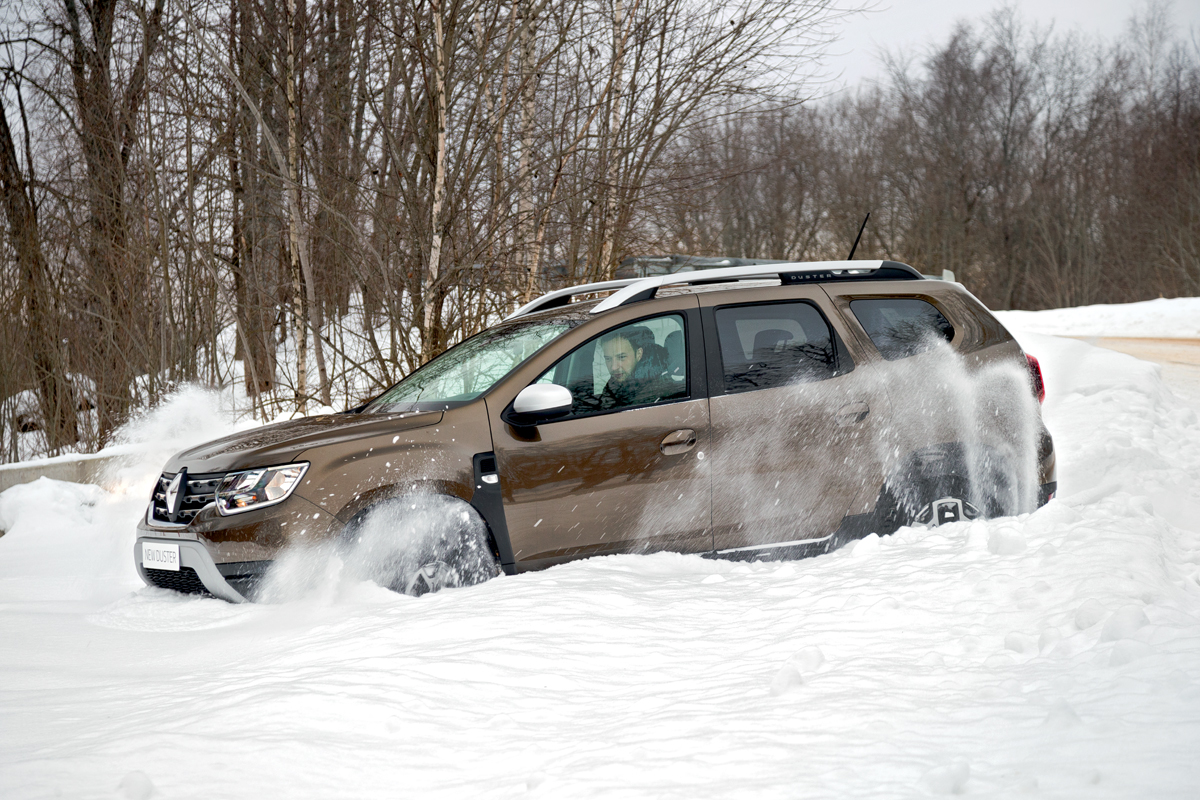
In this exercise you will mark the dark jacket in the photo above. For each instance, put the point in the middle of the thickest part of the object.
(649, 383)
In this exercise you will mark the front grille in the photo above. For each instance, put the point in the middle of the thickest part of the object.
(201, 490)
(185, 580)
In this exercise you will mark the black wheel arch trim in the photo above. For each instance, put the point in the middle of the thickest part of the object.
(488, 500)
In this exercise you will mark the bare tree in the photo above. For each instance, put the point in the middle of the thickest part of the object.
(257, 190)
(58, 401)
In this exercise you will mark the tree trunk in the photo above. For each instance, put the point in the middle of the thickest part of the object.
(612, 174)
(525, 223)
(432, 294)
(300, 337)
(58, 403)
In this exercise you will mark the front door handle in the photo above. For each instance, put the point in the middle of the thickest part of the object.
(852, 414)
(678, 442)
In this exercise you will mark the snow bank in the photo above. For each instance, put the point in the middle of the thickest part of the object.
(1175, 318)
(1055, 654)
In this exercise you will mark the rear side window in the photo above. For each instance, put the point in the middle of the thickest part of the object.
(902, 326)
(772, 344)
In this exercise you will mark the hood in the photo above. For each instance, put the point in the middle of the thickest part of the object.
(285, 442)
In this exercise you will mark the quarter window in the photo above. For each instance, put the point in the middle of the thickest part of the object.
(902, 326)
(639, 364)
(773, 344)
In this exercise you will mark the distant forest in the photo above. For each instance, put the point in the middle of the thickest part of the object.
(345, 188)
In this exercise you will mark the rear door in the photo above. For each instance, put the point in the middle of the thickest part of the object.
(626, 471)
(796, 422)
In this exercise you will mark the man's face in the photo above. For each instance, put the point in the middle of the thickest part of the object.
(620, 357)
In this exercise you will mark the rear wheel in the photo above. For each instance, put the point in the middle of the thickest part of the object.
(943, 511)
(420, 544)
(936, 501)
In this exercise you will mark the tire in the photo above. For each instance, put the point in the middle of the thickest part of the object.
(419, 544)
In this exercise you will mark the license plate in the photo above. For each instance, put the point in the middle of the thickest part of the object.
(160, 556)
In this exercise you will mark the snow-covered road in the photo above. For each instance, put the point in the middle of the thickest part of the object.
(1055, 654)
(1179, 359)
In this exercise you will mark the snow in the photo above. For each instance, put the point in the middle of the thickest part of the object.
(1174, 318)
(1055, 654)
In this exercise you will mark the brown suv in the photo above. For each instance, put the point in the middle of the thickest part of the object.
(766, 411)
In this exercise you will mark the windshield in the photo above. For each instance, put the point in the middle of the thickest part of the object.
(469, 369)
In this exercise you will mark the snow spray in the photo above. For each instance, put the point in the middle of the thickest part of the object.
(793, 463)
(984, 409)
(410, 544)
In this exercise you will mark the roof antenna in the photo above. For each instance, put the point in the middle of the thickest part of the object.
(857, 238)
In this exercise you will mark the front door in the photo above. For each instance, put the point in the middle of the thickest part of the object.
(627, 469)
(796, 426)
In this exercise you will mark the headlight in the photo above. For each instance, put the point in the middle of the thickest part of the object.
(258, 488)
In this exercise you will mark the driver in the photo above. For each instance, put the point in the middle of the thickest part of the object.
(632, 379)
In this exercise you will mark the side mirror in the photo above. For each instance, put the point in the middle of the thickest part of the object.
(539, 402)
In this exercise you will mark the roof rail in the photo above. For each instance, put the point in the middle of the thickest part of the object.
(789, 273)
(562, 297)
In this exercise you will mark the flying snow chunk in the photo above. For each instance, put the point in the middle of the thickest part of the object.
(948, 779)
(1089, 614)
(1128, 650)
(864, 547)
(1006, 542)
(1124, 622)
(1062, 716)
(136, 786)
(787, 677)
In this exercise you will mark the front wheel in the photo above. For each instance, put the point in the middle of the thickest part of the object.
(420, 544)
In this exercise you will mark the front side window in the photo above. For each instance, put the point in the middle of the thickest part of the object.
(638, 364)
(773, 344)
(467, 370)
(902, 326)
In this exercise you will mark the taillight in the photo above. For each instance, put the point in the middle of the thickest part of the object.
(1035, 376)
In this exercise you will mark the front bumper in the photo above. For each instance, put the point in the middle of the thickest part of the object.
(227, 557)
(236, 582)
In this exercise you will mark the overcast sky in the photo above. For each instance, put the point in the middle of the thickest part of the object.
(914, 24)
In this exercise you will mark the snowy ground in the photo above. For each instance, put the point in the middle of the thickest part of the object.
(1055, 654)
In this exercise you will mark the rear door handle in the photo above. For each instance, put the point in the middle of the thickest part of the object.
(678, 442)
(852, 414)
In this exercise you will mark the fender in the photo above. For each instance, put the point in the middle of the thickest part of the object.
(354, 509)
(485, 500)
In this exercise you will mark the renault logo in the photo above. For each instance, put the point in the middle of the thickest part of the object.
(175, 495)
